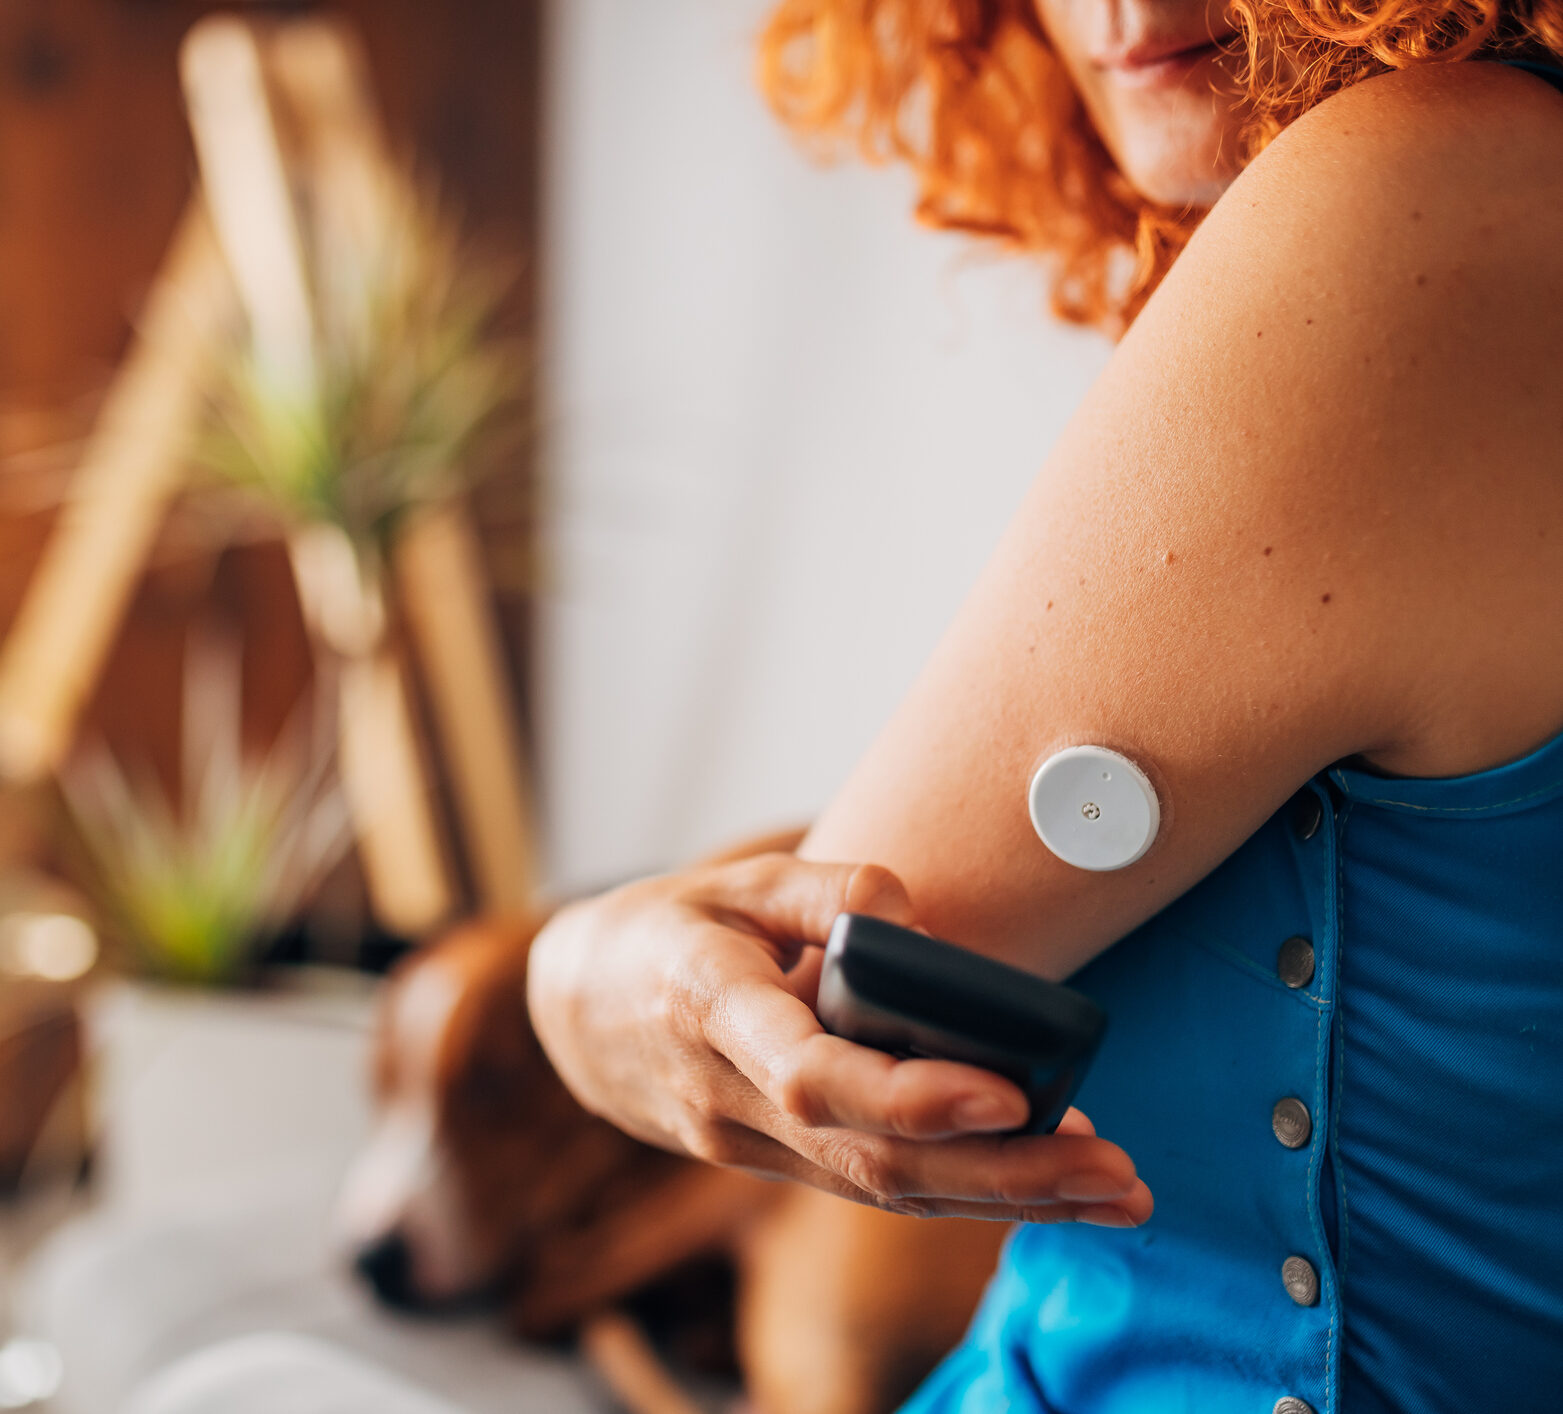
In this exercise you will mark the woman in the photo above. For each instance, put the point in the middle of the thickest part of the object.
(1300, 555)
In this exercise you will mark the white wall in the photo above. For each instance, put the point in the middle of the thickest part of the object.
(785, 427)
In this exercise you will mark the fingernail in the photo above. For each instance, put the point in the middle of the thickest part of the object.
(1104, 1215)
(1091, 1187)
(987, 1112)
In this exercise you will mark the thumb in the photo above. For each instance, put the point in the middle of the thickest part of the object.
(784, 897)
(873, 889)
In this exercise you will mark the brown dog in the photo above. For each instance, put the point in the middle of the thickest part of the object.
(485, 1173)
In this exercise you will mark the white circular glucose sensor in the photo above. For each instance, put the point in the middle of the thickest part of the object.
(1094, 808)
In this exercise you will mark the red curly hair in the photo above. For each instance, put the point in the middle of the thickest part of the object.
(971, 95)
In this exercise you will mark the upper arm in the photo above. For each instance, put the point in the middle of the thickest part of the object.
(1302, 512)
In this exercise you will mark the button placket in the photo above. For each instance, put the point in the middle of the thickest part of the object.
(1300, 962)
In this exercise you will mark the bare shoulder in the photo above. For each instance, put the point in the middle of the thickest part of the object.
(1435, 193)
(1361, 350)
(1483, 121)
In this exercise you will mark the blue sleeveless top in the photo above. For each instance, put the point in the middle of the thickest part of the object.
(1338, 1063)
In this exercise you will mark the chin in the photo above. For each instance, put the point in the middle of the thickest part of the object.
(1199, 190)
(1176, 145)
(1179, 175)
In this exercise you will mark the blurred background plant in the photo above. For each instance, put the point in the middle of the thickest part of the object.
(416, 390)
(195, 888)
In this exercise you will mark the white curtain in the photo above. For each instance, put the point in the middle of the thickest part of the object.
(785, 427)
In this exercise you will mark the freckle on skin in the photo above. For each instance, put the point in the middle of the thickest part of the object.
(1307, 321)
(1049, 603)
(1269, 548)
(1168, 558)
(1324, 598)
(1421, 279)
(1416, 215)
(1260, 334)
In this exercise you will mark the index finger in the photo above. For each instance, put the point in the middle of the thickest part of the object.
(822, 1080)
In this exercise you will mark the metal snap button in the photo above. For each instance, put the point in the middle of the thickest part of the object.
(1300, 1280)
(1307, 814)
(1292, 1123)
(1294, 963)
(1290, 1404)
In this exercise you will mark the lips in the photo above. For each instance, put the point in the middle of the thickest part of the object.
(1151, 53)
(1159, 66)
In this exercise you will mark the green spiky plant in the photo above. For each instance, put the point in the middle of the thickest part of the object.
(414, 392)
(196, 888)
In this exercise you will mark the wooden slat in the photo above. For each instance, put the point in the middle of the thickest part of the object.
(386, 787)
(319, 73)
(383, 771)
(248, 195)
(439, 571)
(132, 465)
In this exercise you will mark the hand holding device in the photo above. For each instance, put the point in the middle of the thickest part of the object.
(680, 1008)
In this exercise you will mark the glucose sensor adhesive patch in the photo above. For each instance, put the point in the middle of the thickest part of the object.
(1094, 808)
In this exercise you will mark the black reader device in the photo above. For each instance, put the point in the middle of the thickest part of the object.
(901, 991)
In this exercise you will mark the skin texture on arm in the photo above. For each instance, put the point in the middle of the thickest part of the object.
(1311, 511)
